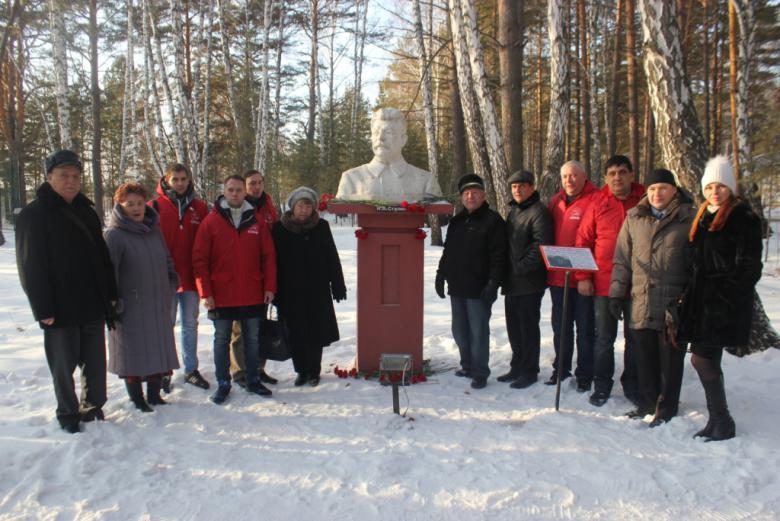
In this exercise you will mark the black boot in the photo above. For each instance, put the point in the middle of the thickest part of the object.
(136, 393)
(723, 427)
(153, 386)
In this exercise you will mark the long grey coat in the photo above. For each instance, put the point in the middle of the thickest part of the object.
(651, 260)
(142, 343)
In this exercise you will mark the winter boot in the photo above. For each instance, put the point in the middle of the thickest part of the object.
(153, 386)
(723, 427)
(136, 394)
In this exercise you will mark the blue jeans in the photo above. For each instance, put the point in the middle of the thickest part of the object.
(188, 301)
(250, 332)
(604, 350)
(471, 331)
(580, 313)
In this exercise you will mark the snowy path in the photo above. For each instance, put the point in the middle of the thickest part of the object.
(338, 452)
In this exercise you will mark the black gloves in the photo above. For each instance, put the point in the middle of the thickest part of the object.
(489, 292)
(440, 285)
(616, 307)
(339, 294)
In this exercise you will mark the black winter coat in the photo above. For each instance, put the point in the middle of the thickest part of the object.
(474, 252)
(63, 261)
(309, 276)
(528, 226)
(718, 304)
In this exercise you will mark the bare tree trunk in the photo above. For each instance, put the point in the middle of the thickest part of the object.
(313, 67)
(593, 145)
(97, 129)
(613, 101)
(706, 70)
(228, 64)
(430, 129)
(281, 26)
(261, 129)
(489, 121)
(717, 75)
(459, 157)
(361, 10)
(471, 116)
(127, 100)
(649, 152)
(559, 101)
(633, 87)
(733, 85)
(539, 126)
(148, 89)
(206, 126)
(746, 19)
(510, 55)
(60, 69)
(585, 90)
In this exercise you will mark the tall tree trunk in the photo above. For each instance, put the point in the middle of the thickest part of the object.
(593, 145)
(633, 87)
(510, 56)
(649, 152)
(733, 85)
(706, 70)
(471, 115)
(97, 127)
(60, 68)
(430, 129)
(228, 64)
(559, 101)
(585, 89)
(489, 121)
(717, 78)
(361, 12)
(206, 125)
(125, 153)
(261, 129)
(458, 144)
(149, 87)
(281, 26)
(746, 19)
(614, 97)
(313, 67)
(539, 125)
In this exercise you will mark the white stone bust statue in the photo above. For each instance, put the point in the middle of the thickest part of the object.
(387, 177)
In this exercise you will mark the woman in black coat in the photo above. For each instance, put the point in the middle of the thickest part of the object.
(718, 304)
(309, 278)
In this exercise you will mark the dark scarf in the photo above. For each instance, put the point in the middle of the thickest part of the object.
(299, 228)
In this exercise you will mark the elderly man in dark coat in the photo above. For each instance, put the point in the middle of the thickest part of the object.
(66, 272)
(142, 345)
(528, 226)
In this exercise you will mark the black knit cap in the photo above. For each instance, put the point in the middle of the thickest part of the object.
(62, 158)
(470, 181)
(660, 175)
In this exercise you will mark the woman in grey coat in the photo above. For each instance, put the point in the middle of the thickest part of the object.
(141, 348)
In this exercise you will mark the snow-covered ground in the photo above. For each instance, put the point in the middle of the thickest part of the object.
(338, 452)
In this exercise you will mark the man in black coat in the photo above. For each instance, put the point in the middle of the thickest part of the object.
(528, 226)
(472, 264)
(66, 272)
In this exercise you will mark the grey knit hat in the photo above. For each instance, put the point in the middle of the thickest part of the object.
(302, 192)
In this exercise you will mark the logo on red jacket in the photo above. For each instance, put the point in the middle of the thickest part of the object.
(194, 218)
(253, 230)
(576, 214)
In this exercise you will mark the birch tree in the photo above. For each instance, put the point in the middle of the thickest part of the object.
(361, 18)
(128, 152)
(97, 130)
(148, 90)
(559, 100)
(746, 20)
(261, 128)
(678, 129)
(60, 69)
(595, 16)
(489, 122)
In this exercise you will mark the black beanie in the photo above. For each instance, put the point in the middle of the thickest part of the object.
(660, 175)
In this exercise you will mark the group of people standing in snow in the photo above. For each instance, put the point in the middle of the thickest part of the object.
(674, 274)
(162, 257)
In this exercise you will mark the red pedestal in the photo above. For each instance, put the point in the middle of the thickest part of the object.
(389, 282)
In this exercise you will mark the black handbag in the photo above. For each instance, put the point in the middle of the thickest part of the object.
(274, 337)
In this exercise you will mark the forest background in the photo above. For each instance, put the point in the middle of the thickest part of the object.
(287, 87)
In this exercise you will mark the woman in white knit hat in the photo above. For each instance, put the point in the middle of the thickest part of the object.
(718, 305)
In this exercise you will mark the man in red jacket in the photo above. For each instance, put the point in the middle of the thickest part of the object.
(567, 209)
(235, 271)
(181, 212)
(265, 213)
(598, 231)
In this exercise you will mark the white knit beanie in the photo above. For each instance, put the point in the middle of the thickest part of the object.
(718, 170)
(302, 192)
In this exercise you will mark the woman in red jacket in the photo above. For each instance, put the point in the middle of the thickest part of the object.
(181, 212)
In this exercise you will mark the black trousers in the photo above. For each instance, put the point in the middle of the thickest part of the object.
(660, 368)
(307, 359)
(82, 346)
(523, 313)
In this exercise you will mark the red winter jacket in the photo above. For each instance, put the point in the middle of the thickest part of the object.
(235, 266)
(265, 210)
(599, 230)
(179, 232)
(566, 219)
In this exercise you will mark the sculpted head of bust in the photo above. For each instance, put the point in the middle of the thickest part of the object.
(388, 134)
